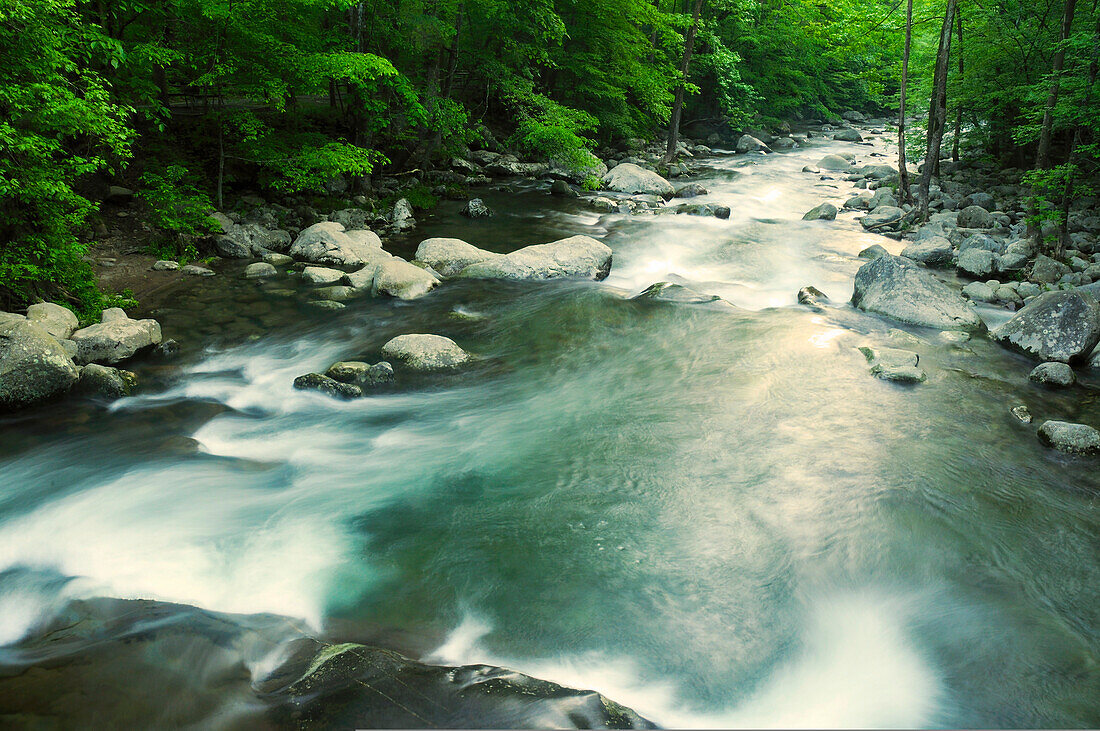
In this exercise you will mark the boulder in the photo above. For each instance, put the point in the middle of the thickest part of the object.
(748, 143)
(897, 288)
(166, 265)
(883, 218)
(576, 256)
(562, 189)
(104, 381)
(450, 256)
(33, 364)
(812, 297)
(977, 263)
(823, 212)
(883, 197)
(982, 200)
(277, 260)
(873, 251)
(402, 216)
(327, 386)
(834, 162)
(1053, 374)
(691, 190)
(115, 339)
(476, 208)
(398, 278)
(322, 275)
(848, 135)
(1047, 271)
(327, 243)
(980, 292)
(424, 352)
(363, 375)
(629, 178)
(975, 217)
(933, 252)
(336, 293)
(1061, 326)
(196, 271)
(854, 116)
(56, 320)
(260, 270)
(1069, 437)
(878, 172)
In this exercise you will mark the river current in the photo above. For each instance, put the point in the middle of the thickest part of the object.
(712, 514)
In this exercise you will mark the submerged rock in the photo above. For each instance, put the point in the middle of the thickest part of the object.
(328, 386)
(423, 352)
(576, 256)
(1069, 437)
(1061, 326)
(812, 297)
(691, 190)
(363, 375)
(33, 364)
(678, 293)
(630, 178)
(896, 287)
(894, 364)
(260, 270)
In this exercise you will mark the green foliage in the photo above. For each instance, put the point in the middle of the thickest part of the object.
(175, 202)
(124, 299)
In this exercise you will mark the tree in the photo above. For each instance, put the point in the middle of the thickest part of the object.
(903, 172)
(937, 111)
(678, 104)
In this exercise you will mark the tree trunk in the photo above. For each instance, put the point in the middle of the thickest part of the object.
(1071, 163)
(678, 103)
(959, 111)
(903, 173)
(1042, 155)
(937, 109)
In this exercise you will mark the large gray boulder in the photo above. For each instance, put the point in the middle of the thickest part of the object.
(327, 243)
(822, 212)
(1061, 326)
(848, 134)
(33, 364)
(424, 352)
(748, 143)
(896, 287)
(398, 278)
(576, 256)
(977, 263)
(56, 320)
(115, 339)
(322, 275)
(834, 162)
(629, 178)
(1047, 270)
(933, 252)
(975, 217)
(104, 381)
(883, 217)
(450, 256)
(1068, 437)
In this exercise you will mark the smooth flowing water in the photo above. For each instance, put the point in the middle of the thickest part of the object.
(711, 514)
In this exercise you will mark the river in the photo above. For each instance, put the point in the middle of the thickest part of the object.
(711, 514)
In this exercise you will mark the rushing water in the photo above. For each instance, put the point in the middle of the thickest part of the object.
(711, 514)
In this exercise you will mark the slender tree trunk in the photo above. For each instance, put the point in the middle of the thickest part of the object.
(903, 172)
(959, 111)
(937, 110)
(1071, 163)
(1042, 155)
(678, 103)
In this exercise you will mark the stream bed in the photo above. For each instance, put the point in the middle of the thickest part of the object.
(710, 513)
